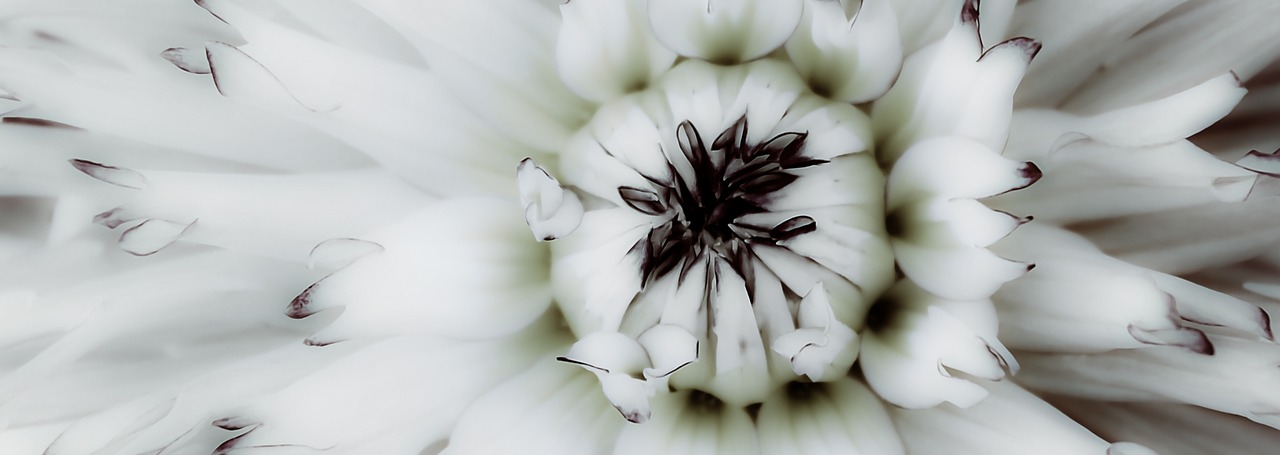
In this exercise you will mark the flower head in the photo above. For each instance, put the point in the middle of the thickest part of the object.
(785, 226)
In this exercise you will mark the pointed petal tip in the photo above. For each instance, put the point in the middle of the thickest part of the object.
(313, 342)
(234, 423)
(299, 307)
(969, 12)
(118, 176)
(1031, 172)
(1264, 322)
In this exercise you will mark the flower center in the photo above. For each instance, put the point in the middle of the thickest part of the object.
(730, 264)
(732, 180)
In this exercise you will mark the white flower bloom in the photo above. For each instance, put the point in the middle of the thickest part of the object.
(639, 226)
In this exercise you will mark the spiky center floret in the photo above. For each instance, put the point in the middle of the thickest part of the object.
(732, 179)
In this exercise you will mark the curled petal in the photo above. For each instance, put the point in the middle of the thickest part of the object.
(915, 341)
(551, 210)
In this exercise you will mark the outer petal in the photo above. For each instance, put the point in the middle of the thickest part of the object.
(497, 59)
(1188, 239)
(1078, 36)
(1009, 421)
(1237, 379)
(605, 48)
(724, 31)
(1087, 180)
(403, 392)
(1201, 40)
(275, 215)
(1171, 429)
(1081, 300)
(462, 268)
(534, 410)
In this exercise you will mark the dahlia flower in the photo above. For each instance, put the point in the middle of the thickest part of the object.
(639, 226)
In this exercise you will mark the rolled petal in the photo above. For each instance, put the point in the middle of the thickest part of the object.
(822, 348)
(605, 48)
(551, 210)
(1081, 300)
(853, 59)
(913, 343)
(836, 417)
(724, 31)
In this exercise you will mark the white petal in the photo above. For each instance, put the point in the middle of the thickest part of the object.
(955, 167)
(740, 358)
(1035, 132)
(551, 211)
(953, 87)
(681, 426)
(1086, 180)
(239, 77)
(906, 358)
(1207, 306)
(1184, 240)
(823, 349)
(857, 255)
(922, 22)
(605, 48)
(463, 268)
(1010, 421)
(1171, 428)
(275, 215)
(724, 30)
(848, 59)
(423, 384)
(669, 347)
(1242, 373)
(551, 408)
(497, 59)
(1202, 41)
(837, 417)
(1081, 300)
(1077, 37)
(957, 272)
